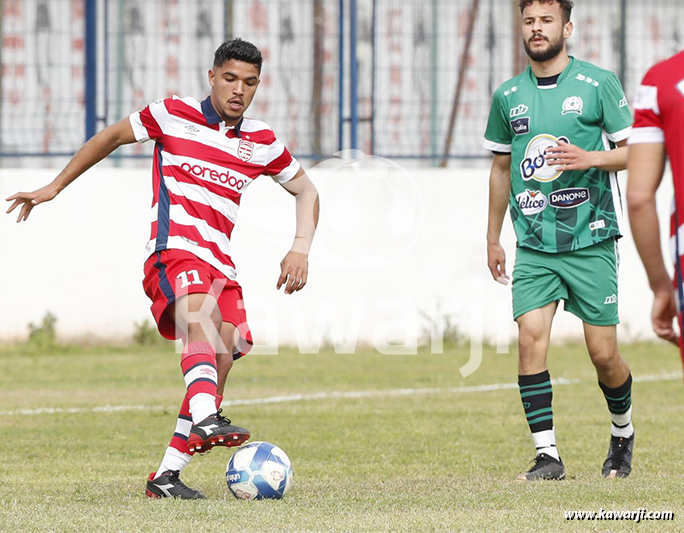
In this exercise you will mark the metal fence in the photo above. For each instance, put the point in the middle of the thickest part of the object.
(389, 77)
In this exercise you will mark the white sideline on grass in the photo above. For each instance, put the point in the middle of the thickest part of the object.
(319, 396)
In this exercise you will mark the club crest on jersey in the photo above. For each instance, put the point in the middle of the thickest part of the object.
(531, 202)
(534, 165)
(245, 150)
(573, 104)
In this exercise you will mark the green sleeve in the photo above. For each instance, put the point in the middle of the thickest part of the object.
(616, 118)
(498, 136)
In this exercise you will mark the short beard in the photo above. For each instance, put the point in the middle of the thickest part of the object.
(551, 52)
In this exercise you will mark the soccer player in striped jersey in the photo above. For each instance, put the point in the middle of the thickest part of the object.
(559, 132)
(206, 155)
(658, 135)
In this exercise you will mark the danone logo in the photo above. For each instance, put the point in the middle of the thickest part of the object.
(567, 198)
(531, 202)
(534, 164)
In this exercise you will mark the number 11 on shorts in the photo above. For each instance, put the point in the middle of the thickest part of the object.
(185, 278)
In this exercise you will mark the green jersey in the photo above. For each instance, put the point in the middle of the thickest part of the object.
(555, 211)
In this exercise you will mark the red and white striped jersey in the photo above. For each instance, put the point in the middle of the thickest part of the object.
(201, 168)
(659, 118)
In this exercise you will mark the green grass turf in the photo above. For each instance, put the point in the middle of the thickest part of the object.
(434, 461)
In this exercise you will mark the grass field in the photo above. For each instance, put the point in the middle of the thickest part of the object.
(439, 458)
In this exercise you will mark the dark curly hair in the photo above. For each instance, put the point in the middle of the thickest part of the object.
(239, 50)
(565, 5)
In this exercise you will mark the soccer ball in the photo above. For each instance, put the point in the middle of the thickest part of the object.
(259, 470)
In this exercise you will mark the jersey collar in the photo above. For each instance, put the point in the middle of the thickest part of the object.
(563, 75)
(212, 117)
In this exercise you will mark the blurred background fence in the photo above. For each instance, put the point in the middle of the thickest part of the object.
(383, 76)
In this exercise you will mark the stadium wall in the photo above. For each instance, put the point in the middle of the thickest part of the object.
(394, 248)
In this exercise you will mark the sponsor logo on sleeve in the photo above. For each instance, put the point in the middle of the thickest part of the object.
(519, 110)
(532, 202)
(623, 102)
(573, 104)
(569, 198)
(534, 165)
(521, 126)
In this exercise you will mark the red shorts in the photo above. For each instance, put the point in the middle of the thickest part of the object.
(170, 274)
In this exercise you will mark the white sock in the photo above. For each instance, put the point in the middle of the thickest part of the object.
(202, 405)
(545, 442)
(622, 424)
(173, 460)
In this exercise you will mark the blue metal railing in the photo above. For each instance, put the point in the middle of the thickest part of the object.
(90, 68)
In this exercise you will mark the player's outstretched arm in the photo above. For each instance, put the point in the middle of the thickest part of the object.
(92, 152)
(568, 157)
(499, 191)
(294, 268)
(646, 165)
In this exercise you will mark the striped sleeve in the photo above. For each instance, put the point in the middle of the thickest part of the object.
(616, 118)
(281, 166)
(149, 122)
(648, 122)
(498, 136)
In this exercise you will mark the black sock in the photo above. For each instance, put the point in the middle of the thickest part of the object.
(536, 395)
(619, 401)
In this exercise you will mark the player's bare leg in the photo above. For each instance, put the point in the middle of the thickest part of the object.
(615, 381)
(611, 368)
(536, 392)
(197, 317)
(224, 355)
(534, 334)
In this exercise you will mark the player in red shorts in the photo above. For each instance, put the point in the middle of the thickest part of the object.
(659, 134)
(206, 154)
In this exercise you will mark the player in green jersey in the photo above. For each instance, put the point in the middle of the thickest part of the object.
(558, 132)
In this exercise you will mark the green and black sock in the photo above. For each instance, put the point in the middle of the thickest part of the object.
(536, 394)
(620, 406)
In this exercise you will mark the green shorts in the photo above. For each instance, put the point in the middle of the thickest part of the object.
(587, 279)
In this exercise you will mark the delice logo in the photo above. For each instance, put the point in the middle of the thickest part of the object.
(567, 198)
(531, 202)
(209, 173)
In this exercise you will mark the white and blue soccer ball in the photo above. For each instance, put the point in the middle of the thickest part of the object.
(259, 470)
